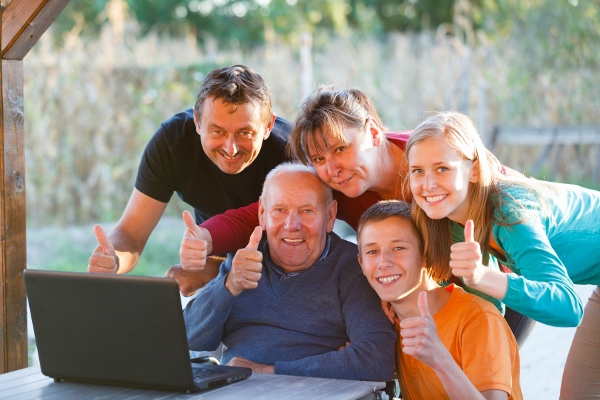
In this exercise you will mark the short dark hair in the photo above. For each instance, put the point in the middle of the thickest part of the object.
(387, 209)
(237, 84)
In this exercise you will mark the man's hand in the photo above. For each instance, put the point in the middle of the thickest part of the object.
(190, 281)
(194, 249)
(465, 258)
(104, 259)
(246, 266)
(419, 335)
(256, 367)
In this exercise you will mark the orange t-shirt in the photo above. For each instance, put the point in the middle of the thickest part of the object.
(479, 340)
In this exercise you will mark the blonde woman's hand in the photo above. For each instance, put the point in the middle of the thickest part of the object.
(465, 258)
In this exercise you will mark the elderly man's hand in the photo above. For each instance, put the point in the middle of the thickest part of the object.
(194, 246)
(104, 258)
(246, 266)
(256, 367)
(190, 281)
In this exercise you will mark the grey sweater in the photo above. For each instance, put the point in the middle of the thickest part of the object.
(297, 322)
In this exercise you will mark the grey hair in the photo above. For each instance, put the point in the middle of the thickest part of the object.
(288, 167)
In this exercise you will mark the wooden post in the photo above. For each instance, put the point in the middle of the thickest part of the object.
(23, 23)
(12, 218)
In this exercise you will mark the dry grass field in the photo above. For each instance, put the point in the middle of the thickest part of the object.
(92, 105)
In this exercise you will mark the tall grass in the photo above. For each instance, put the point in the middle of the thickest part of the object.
(92, 105)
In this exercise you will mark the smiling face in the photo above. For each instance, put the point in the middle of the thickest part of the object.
(390, 257)
(348, 166)
(439, 179)
(294, 214)
(232, 135)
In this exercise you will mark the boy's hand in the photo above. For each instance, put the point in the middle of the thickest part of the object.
(419, 335)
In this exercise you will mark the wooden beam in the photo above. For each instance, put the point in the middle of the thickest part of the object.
(24, 22)
(13, 316)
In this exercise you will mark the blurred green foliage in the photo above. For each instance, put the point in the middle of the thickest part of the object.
(250, 22)
(562, 34)
(69, 248)
(547, 43)
(568, 24)
(558, 35)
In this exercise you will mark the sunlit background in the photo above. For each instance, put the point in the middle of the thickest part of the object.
(103, 77)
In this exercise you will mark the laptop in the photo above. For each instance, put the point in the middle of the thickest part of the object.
(116, 329)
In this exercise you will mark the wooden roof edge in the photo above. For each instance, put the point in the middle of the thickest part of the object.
(24, 22)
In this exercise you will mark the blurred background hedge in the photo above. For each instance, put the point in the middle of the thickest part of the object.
(100, 81)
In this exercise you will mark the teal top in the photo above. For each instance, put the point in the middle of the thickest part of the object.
(548, 252)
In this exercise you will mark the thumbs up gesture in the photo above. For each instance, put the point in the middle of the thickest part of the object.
(194, 249)
(465, 258)
(246, 266)
(104, 258)
(419, 335)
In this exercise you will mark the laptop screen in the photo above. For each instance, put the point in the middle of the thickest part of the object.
(115, 329)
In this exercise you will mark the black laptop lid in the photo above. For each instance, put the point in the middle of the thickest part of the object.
(113, 329)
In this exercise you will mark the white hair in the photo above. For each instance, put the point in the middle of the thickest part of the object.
(290, 167)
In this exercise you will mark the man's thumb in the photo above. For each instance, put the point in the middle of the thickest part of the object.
(255, 238)
(102, 239)
(469, 231)
(190, 223)
(423, 305)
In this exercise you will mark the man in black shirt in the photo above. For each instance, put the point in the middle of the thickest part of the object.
(214, 156)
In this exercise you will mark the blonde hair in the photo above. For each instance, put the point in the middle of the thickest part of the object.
(485, 196)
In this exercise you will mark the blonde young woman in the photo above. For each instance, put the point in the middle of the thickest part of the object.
(548, 234)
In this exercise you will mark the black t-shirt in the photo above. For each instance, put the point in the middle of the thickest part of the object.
(174, 161)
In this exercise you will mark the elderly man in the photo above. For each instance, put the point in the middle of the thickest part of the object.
(297, 302)
(214, 156)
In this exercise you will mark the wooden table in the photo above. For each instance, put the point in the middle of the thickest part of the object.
(29, 383)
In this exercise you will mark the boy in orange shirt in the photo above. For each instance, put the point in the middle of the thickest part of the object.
(451, 344)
